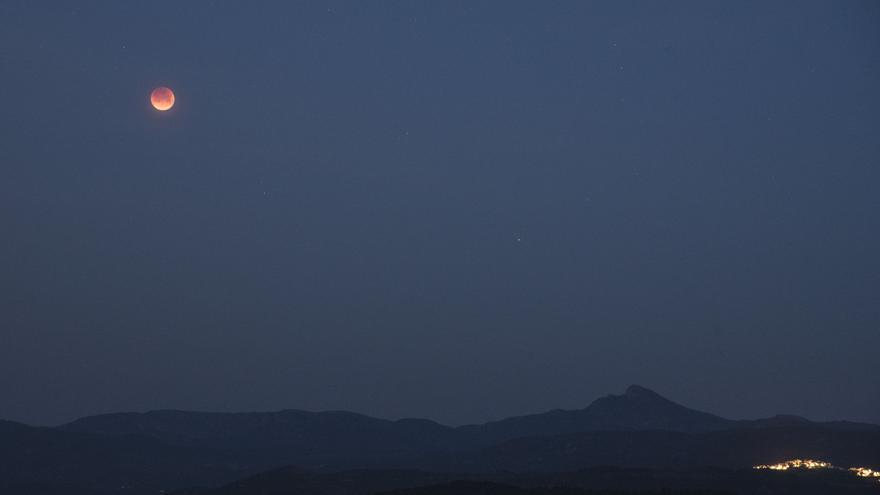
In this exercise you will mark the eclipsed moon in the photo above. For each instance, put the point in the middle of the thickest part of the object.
(162, 99)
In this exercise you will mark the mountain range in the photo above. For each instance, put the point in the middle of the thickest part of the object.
(165, 450)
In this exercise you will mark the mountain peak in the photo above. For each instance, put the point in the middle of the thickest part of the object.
(640, 408)
(640, 392)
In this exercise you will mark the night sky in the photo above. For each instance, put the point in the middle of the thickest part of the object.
(454, 210)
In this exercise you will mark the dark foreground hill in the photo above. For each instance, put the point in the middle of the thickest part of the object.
(488, 488)
(141, 453)
(47, 461)
(786, 485)
(735, 449)
(592, 481)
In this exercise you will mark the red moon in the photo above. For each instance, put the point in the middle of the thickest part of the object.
(162, 99)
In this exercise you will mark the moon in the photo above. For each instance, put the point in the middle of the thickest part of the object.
(162, 98)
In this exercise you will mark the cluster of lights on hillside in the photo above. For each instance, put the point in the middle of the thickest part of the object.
(862, 472)
(796, 464)
(865, 472)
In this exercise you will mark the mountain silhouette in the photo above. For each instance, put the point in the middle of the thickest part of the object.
(349, 440)
(146, 452)
(322, 432)
(257, 428)
(636, 409)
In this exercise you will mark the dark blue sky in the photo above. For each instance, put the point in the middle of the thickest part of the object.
(458, 210)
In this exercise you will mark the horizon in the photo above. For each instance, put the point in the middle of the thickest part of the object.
(441, 423)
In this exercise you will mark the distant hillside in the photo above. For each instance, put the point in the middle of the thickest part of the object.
(312, 439)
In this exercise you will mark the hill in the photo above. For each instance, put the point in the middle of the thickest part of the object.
(596, 481)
